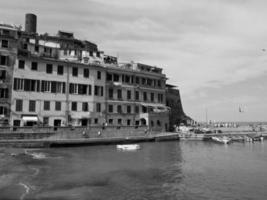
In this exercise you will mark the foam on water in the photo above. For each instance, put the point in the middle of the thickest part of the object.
(35, 155)
(36, 171)
(27, 190)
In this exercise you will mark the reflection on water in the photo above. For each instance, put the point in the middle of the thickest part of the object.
(166, 170)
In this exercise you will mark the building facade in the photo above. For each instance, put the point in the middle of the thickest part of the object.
(136, 96)
(62, 81)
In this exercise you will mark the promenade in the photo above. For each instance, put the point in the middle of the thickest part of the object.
(62, 142)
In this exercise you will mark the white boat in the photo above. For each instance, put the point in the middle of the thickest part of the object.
(183, 129)
(128, 147)
(248, 139)
(223, 140)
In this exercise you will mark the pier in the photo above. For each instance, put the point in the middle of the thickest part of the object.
(236, 135)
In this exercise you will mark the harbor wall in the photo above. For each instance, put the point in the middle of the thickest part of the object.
(80, 136)
(72, 132)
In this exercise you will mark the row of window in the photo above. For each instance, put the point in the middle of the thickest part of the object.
(130, 79)
(110, 77)
(85, 106)
(95, 121)
(47, 51)
(137, 122)
(31, 85)
(60, 69)
(57, 106)
(67, 52)
(136, 97)
(128, 109)
(74, 107)
(119, 122)
(128, 122)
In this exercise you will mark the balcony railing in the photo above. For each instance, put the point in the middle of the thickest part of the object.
(23, 53)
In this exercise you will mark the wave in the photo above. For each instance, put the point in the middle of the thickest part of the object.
(27, 190)
(36, 171)
(39, 155)
(35, 155)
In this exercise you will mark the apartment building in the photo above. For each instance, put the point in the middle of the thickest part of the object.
(8, 52)
(136, 96)
(62, 81)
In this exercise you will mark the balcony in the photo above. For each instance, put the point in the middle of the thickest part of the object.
(49, 55)
(4, 100)
(114, 84)
(24, 53)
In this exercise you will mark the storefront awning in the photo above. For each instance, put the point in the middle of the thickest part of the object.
(151, 104)
(155, 105)
(30, 118)
(78, 115)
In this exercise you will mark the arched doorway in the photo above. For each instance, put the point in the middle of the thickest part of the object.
(143, 122)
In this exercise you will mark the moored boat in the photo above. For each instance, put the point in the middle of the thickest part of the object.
(128, 147)
(222, 140)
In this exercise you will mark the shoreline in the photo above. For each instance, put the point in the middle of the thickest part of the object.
(76, 142)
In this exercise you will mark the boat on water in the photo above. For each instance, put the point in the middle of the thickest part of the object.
(222, 140)
(128, 147)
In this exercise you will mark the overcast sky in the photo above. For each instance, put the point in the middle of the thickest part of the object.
(214, 50)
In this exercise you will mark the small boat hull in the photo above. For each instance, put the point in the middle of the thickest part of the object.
(128, 147)
(221, 140)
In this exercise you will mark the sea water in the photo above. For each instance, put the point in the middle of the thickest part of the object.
(164, 170)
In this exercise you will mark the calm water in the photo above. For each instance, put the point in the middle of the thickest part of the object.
(166, 170)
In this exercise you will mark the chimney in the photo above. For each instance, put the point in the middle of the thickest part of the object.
(30, 23)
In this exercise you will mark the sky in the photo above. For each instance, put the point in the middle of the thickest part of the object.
(215, 51)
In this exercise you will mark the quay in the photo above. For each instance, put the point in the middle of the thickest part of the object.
(45, 137)
(72, 142)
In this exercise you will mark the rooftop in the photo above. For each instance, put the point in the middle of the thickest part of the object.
(64, 46)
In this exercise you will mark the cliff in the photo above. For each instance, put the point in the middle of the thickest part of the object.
(173, 101)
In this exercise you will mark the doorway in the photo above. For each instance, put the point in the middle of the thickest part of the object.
(57, 122)
(143, 122)
(84, 122)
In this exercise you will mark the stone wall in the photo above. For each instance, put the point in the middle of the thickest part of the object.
(72, 132)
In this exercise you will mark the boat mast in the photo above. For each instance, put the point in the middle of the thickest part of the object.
(206, 116)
